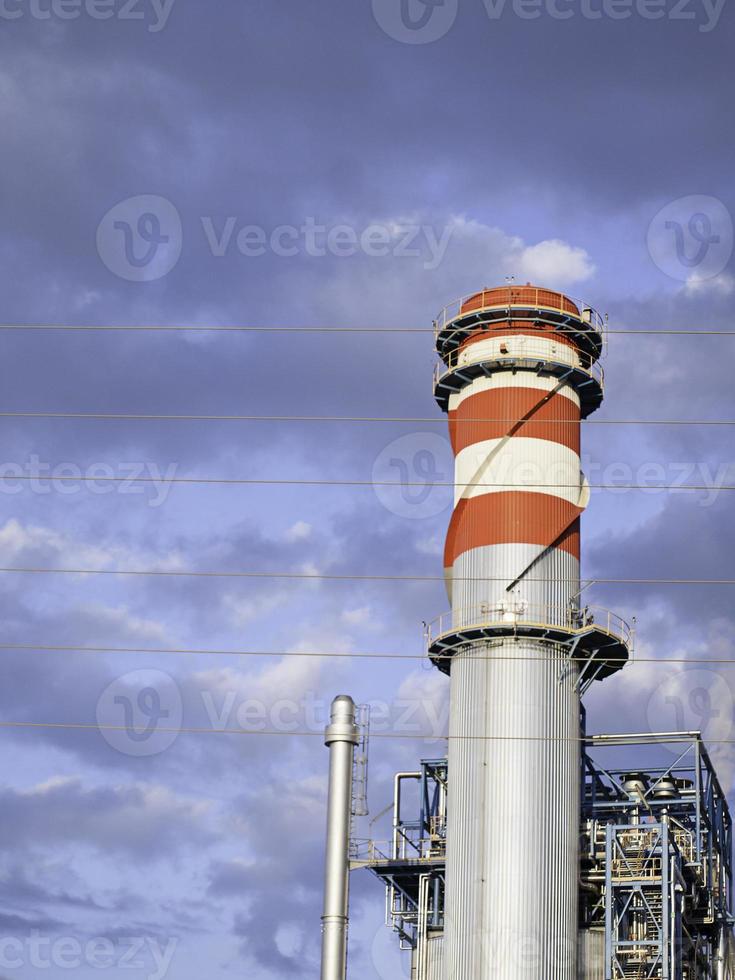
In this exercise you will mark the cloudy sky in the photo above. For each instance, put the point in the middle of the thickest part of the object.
(343, 164)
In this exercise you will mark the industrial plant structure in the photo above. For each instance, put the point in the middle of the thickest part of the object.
(532, 854)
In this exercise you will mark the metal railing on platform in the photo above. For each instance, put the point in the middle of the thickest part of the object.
(526, 354)
(509, 612)
(520, 298)
(366, 851)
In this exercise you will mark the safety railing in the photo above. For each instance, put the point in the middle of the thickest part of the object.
(637, 854)
(684, 840)
(520, 298)
(507, 612)
(626, 868)
(519, 351)
(367, 851)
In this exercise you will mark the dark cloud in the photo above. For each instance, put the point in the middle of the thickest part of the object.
(142, 821)
(284, 889)
(507, 132)
(17, 886)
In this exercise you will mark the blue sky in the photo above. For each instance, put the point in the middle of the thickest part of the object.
(317, 164)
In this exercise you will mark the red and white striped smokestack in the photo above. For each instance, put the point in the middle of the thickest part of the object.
(516, 438)
(518, 371)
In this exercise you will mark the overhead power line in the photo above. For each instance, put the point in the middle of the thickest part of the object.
(239, 481)
(318, 328)
(326, 576)
(320, 654)
(423, 736)
(442, 420)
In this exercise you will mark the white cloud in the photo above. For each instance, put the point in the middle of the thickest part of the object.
(555, 263)
(552, 262)
(16, 538)
(432, 544)
(722, 285)
(122, 622)
(240, 611)
(289, 939)
(428, 692)
(356, 617)
(27, 542)
(429, 684)
(289, 677)
(476, 255)
(299, 531)
(145, 818)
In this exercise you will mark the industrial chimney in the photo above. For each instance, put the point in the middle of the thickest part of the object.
(518, 371)
(528, 859)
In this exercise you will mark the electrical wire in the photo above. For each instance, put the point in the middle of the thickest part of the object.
(190, 480)
(326, 655)
(151, 417)
(291, 330)
(189, 328)
(239, 481)
(326, 576)
(426, 736)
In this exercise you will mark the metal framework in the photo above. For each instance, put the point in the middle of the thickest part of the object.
(534, 306)
(656, 877)
(657, 861)
(599, 640)
(489, 310)
(411, 863)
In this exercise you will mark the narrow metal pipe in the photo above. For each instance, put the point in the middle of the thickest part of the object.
(397, 780)
(723, 952)
(341, 737)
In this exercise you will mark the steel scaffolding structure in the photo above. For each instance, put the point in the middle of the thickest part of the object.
(411, 863)
(657, 862)
(655, 876)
